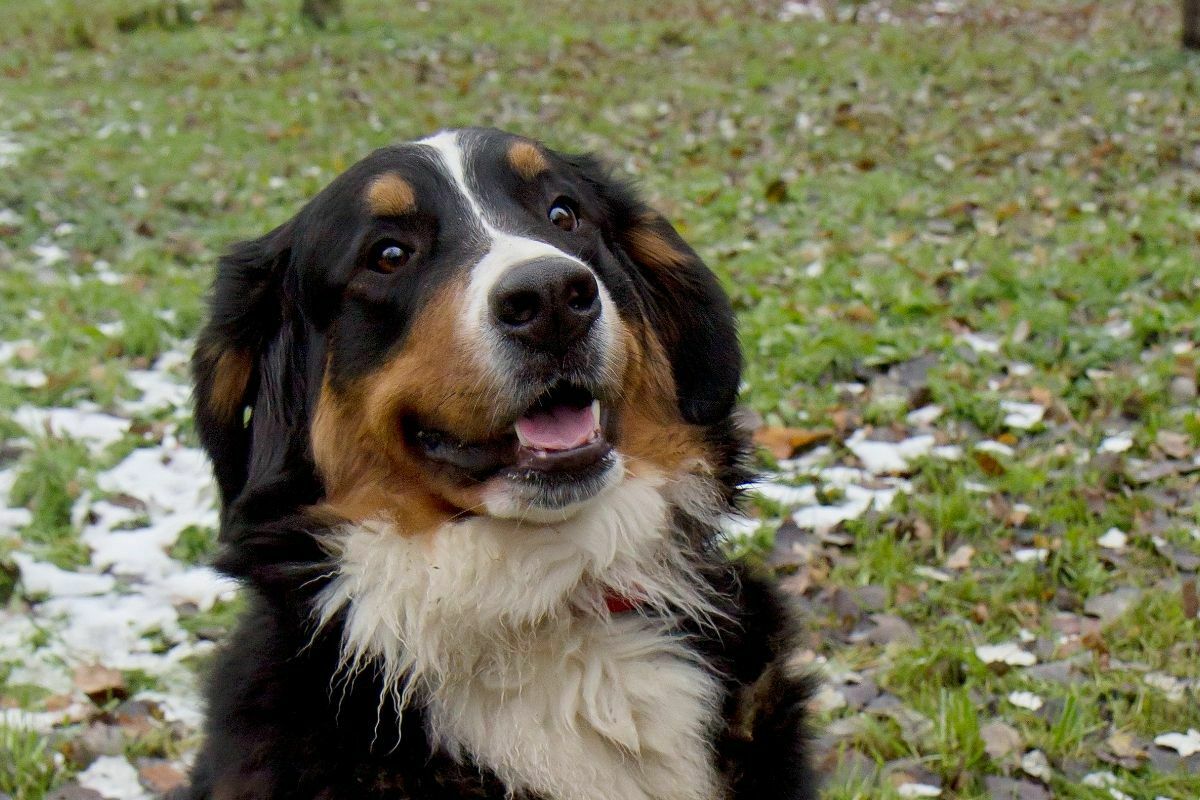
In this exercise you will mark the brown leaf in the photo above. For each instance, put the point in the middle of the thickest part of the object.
(159, 776)
(776, 191)
(1191, 603)
(987, 462)
(100, 683)
(786, 442)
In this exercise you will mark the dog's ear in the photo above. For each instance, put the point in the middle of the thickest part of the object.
(687, 306)
(252, 367)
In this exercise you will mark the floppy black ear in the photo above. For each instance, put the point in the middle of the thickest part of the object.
(688, 307)
(252, 367)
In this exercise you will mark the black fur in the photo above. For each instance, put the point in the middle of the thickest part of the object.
(279, 726)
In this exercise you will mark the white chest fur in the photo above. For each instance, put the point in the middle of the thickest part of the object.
(500, 630)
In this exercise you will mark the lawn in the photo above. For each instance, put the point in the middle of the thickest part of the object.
(963, 240)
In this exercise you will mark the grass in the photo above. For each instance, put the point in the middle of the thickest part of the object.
(869, 194)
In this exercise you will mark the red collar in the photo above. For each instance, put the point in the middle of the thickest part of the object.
(620, 603)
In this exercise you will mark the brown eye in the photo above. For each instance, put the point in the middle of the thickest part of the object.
(390, 256)
(563, 215)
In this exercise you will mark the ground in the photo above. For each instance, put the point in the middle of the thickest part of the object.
(963, 239)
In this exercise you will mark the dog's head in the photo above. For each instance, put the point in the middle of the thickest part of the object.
(470, 324)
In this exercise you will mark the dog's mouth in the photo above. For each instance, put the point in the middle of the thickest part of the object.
(560, 438)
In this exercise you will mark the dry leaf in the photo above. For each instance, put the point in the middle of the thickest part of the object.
(784, 443)
(1000, 739)
(987, 462)
(960, 559)
(100, 683)
(1176, 445)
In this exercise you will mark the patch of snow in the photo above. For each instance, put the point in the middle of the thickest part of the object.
(1026, 700)
(1174, 688)
(1117, 443)
(1119, 328)
(1105, 780)
(995, 448)
(113, 778)
(94, 428)
(783, 494)
(1036, 764)
(27, 378)
(888, 458)
(981, 343)
(46, 580)
(857, 501)
(925, 416)
(1029, 555)
(1022, 415)
(43, 721)
(1113, 539)
(1009, 653)
(13, 519)
(48, 253)
(947, 452)
(159, 391)
(9, 150)
(10, 350)
(1186, 744)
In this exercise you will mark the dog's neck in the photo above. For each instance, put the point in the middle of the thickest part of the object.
(546, 653)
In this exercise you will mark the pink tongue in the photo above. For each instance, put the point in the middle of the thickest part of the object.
(558, 428)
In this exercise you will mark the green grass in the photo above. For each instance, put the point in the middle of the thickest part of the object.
(867, 193)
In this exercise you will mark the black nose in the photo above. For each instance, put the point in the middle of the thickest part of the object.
(547, 304)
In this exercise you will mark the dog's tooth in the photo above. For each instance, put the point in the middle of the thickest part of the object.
(596, 413)
(521, 440)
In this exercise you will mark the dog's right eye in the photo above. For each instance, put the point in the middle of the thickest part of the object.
(389, 256)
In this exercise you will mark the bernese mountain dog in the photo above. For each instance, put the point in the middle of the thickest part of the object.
(471, 416)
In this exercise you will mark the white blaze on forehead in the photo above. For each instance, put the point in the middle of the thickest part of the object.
(505, 251)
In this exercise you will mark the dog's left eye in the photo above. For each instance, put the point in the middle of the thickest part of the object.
(389, 256)
(563, 215)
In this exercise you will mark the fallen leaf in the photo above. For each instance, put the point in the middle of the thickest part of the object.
(1191, 603)
(1176, 445)
(1112, 605)
(1000, 739)
(1000, 788)
(960, 559)
(100, 683)
(783, 443)
(987, 462)
(160, 776)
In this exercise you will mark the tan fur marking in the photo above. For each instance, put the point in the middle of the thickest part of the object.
(648, 246)
(527, 160)
(368, 469)
(231, 375)
(653, 433)
(390, 196)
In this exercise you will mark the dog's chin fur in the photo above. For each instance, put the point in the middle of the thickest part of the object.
(501, 631)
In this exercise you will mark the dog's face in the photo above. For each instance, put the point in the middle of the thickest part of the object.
(470, 324)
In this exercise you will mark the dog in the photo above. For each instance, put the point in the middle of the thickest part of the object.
(471, 415)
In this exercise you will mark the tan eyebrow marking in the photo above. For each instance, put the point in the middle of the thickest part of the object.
(527, 160)
(650, 246)
(390, 196)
